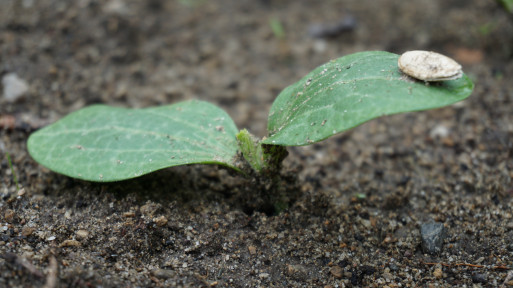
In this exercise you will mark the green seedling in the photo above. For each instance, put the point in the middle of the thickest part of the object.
(12, 170)
(192, 3)
(102, 143)
(507, 4)
(277, 28)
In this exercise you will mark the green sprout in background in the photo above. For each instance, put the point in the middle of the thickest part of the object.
(507, 4)
(102, 143)
(192, 3)
(12, 170)
(277, 28)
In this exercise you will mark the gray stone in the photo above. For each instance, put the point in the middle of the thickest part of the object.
(479, 278)
(432, 236)
(14, 87)
(163, 273)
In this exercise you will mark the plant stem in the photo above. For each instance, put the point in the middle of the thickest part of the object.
(251, 150)
(263, 158)
(272, 195)
(273, 156)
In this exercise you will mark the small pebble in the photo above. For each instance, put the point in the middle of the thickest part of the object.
(509, 225)
(82, 234)
(332, 29)
(263, 275)
(438, 273)
(160, 221)
(70, 243)
(393, 267)
(149, 209)
(297, 271)
(9, 215)
(439, 131)
(27, 248)
(479, 278)
(21, 192)
(27, 231)
(115, 7)
(163, 273)
(14, 87)
(252, 250)
(432, 236)
(337, 272)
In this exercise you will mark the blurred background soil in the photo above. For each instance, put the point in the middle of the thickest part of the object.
(360, 199)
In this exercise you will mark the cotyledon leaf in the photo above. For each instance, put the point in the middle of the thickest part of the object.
(102, 143)
(349, 91)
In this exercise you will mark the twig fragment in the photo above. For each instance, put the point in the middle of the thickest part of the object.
(499, 267)
(509, 277)
(20, 261)
(53, 272)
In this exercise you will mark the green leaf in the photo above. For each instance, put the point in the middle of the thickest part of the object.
(349, 91)
(102, 143)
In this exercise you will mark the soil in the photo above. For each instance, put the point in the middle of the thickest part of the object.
(359, 199)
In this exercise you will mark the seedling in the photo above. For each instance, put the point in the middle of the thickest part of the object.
(102, 143)
(507, 4)
(12, 170)
(277, 28)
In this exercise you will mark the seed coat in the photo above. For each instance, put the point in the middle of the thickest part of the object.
(429, 66)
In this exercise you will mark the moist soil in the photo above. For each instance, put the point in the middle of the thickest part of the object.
(356, 201)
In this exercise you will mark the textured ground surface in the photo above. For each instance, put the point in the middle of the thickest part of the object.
(361, 196)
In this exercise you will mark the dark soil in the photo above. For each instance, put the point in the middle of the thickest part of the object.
(360, 199)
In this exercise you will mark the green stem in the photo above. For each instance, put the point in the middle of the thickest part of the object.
(266, 162)
(251, 150)
(263, 158)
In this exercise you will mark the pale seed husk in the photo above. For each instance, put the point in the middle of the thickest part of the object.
(429, 66)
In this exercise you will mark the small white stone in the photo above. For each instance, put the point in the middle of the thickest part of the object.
(116, 7)
(429, 66)
(14, 87)
(439, 131)
(263, 275)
